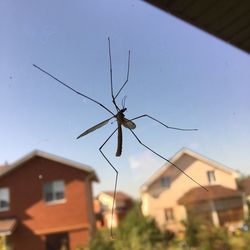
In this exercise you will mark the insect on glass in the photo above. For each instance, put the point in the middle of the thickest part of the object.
(119, 115)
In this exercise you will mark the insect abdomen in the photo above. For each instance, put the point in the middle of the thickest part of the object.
(119, 143)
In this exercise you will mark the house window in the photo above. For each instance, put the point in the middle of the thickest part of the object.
(169, 214)
(4, 199)
(165, 181)
(54, 191)
(211, 176)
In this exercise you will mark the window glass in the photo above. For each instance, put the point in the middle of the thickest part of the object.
(165, 181)
(169, 215)
(4, 198)
(54, 191)
(211, 176)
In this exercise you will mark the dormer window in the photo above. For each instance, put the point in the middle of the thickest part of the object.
(165, 181)
(211, 177)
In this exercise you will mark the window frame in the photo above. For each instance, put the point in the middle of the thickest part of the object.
(211, 176)
(6, 208)
(49, 187)
(169, 214)
(165, 181)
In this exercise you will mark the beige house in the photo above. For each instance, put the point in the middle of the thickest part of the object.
(170, 197)
(103, 208)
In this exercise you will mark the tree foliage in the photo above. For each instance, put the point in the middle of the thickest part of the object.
(134, 232)
(205, 236)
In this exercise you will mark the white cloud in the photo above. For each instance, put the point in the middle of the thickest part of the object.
(144, 164)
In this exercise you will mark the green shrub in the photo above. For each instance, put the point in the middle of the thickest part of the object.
(215, 238)
(139, 233)
(192, 228)
(135, 232)
(101, 241)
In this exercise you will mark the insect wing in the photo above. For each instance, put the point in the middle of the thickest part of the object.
(99, 125)
(129, 124)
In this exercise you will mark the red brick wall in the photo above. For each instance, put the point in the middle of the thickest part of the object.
(78, 238)
(34, 215)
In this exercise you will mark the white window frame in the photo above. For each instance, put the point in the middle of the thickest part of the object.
(211, 176)
(54, 188)
(4, 197)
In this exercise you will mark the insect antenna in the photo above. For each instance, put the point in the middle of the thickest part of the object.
(77, 92)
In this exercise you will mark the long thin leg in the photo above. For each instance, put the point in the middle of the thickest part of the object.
(144, 145)
(127, 76)
(111, 77)
(77, 92)
(182, 129)
(116, 178)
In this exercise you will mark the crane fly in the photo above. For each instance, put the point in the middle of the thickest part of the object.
(119, 116)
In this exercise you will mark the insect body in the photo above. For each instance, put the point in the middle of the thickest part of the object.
(121, 122)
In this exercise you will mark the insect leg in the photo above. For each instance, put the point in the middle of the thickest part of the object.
(148, 116)
(111, 77)
(144, 145)
(77, 92)
(127, 76)
(116, 178)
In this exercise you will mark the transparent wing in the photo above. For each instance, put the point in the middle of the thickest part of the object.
(128, 124)
(99, 125)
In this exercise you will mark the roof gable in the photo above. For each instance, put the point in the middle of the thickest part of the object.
(82, 167)
(177, 157)
(120, 196)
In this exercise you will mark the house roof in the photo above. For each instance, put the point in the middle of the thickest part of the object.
(193, 154)
(7, 226)
(3, 168)
(245, 184)
(120, 196)
(228, 20)
(215, 192)
(38, 153)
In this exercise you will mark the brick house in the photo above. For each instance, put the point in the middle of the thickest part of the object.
(46, 202)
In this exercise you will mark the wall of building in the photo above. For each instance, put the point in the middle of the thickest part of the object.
(154, 205)
(35, 217)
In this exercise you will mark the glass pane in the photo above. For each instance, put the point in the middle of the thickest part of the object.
(49, 196)
(59, 195)
(54, 190)
(4, 197)
(58, 186)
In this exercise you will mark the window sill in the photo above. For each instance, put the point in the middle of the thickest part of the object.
(4, 209)
(56, 202)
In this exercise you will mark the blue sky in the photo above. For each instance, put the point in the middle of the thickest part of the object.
(178, 74)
